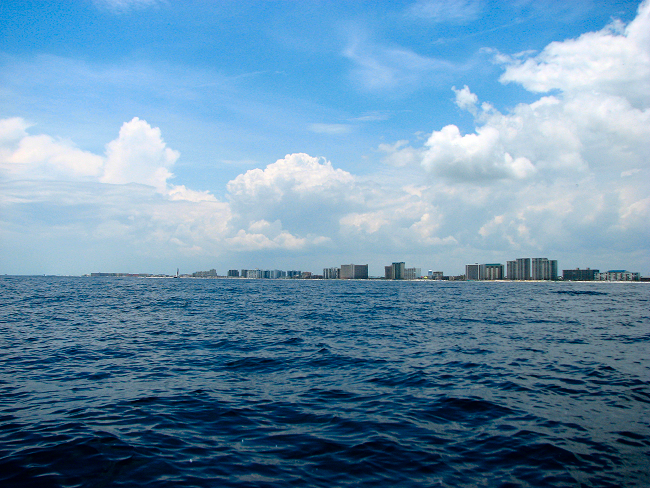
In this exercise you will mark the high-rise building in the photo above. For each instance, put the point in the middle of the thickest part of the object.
(233, 273)
(523, 269)
(412, 273)
(544, 269)
(511, 268)
(492, 271)
(331, 273)
(472, 272)
(389, 273)
(354, 271)
(395, 271)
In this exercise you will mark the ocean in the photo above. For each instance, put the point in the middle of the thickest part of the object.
(276, 383)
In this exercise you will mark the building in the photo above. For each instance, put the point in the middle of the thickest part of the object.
(437, 275)
(203, 274)
(473, 272)
(233, 273)
(518, 269)
(331, 273)
(579, 274)
(523, 269)
(412, 273)
(492, 271)
(543, 269)
(254, 274)
(354, 272)
(618, 275)
(395, 271)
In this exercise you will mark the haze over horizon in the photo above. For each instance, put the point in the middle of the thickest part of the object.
(146, 135)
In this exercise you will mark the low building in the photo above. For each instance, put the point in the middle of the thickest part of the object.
(205, 274)
(618, 275)
(579, 274)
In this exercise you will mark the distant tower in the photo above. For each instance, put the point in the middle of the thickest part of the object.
(177, 270)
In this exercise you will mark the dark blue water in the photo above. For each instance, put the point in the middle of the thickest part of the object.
(127, 382)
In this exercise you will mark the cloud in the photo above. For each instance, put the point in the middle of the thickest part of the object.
(400, 154)
(305, 193)
(465, 99)
(552, 174)
(298, 174)
(447, 11)
(264, 235)
(563, 175)
(372, 117)
(139, 155)
(473, 157)
(332, 129)
(381, 68)
(614, 61)
(42, 156)
(123, 6)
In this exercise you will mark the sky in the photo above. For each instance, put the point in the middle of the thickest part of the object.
(148, 135)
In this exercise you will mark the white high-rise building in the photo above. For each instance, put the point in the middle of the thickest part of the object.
(331, 273)
(412, 273)
(544, 269)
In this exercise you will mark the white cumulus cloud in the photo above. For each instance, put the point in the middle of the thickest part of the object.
(139, 155)
(42, 156)
(614, 61)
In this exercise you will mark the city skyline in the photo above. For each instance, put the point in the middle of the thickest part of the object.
(520, 269)
(141, 135)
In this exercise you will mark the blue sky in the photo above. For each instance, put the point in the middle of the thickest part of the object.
(142, 135)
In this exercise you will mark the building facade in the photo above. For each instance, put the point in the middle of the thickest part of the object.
(412, 273)
(543, 269)
(618, 275)
(522, 272)
(331, 273)
(579, 274)
(395, 271)
(493, 271)
(354, 272)
(473, 272)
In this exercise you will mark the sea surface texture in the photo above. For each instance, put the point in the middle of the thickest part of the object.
(260, 383)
